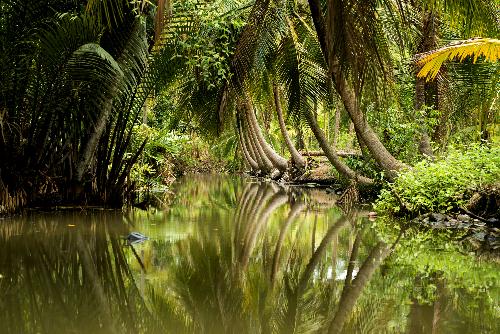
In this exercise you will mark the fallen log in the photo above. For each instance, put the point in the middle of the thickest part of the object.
(340, 153)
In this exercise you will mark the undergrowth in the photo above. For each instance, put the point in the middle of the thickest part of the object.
(443, 185)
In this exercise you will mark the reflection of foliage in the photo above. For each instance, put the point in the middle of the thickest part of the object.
(233, 256)
(433, 274)
(223, 282)
(58, 278)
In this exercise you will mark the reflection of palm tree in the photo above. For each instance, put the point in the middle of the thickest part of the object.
(258, 202)
(218, 285)
(296, 209)
(259, 220)
(58, 278)
(352, 291)
(290, 323)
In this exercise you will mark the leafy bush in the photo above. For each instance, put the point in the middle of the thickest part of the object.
(443, 185)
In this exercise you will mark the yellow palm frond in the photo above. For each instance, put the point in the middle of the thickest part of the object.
(432, 61)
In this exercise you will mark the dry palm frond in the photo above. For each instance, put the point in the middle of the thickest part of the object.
(432, 61)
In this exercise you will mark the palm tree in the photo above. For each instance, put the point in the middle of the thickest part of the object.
(467, 19)
(273, 43)
(80, 94)
(297, 158)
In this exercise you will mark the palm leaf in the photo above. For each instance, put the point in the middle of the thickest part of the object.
(110, 11)
(432, 61)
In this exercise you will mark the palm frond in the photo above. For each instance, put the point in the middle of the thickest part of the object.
(301, 69)
(356, 41)
(108, 11)
(469, 17)
(489, 48)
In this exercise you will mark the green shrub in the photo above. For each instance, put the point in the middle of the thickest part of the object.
(443, 185)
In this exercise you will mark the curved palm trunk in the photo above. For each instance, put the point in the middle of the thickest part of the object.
(244, 149)
(252, 151)
(385, 159)
(267, 165)
(278, 161)
(251, 162)
(332, 156)
(259, 155)
(297, 158)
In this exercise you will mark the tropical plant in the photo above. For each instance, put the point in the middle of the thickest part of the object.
(75, 90)
(441, 186)
(487, 49)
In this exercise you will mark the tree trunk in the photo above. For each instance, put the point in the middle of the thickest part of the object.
(264, 163)
(383, 157)
(390, 164)
(251, 151)
(332, 156)
(299, 141)
(441, 131)
(252, 143)
(246, 154)
(278, 161)
(297, 158)
(336, 130)
(423, 90)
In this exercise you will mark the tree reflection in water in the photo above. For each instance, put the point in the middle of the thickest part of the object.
(234, 256)
(260, 274)
(67, 273)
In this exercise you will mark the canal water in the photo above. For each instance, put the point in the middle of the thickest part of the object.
(237, 255)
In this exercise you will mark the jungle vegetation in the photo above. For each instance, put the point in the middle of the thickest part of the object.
(99, 97)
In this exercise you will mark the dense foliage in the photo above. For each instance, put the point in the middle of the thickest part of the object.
(99, 94)
(442, 185)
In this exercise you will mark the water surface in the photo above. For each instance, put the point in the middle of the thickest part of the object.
(234, 255)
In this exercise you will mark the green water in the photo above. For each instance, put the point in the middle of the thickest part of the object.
(232, 255)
